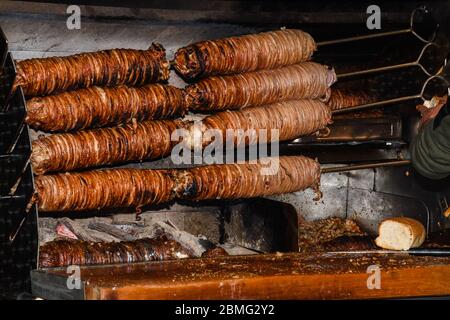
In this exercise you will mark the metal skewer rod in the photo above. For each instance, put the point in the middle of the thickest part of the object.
(420, 252)
(377, 104)
(441, 76)
(364, 37)
(394, 163)
(411, 30)
(416, 63)
(379, 69)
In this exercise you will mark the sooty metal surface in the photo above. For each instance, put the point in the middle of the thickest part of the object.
(18, 218)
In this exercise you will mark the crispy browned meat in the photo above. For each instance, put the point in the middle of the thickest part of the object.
(101, 106)
(245, 53)
(313, 235)
(346, 98)
(104, 146)
(112, 188)
(42, 76)
(348, 243)
(116, 188)
(60, 253)
(292, 118)
(307, 80)
(234, 181)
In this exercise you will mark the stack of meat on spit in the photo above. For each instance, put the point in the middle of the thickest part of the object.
(113, 107)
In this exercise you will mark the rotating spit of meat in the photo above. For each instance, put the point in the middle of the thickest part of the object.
(42, 76)
(102, 106)
(291, 119)
(307, 80)
(245, 53)
(116, 188)
(104, 146)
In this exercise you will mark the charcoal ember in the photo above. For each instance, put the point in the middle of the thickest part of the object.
(64, 231)
(46, 235)
(194, 244)
(214, 253)
(76, 228)
(111, 230)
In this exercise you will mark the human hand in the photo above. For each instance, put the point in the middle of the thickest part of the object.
(430, 109)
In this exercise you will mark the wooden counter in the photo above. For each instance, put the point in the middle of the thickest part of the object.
(274, 276)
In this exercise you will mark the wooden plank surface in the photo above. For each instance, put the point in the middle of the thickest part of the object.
(274, 276)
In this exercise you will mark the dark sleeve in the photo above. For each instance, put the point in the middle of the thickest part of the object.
(430, 150)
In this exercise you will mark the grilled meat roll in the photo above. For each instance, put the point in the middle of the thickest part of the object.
(42, 76)
(60, 253)
(346, 98)
(104, 146)
(307, 80)
(292, 119)
(245, 53)
(234, 181)
(112, 188)
(116, 188)
(101, 106)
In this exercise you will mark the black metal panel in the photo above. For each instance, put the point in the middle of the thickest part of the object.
(13, 135)
(13, 169)
(7, 76)
(262, 225)
(18, 244)
(3, 48)
(18, 218)
(51, 287)
(18, 223)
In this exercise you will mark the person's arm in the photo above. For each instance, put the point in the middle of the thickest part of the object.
(430, 150)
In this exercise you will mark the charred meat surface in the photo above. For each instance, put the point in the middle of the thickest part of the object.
(291, 119)
(102, 106)
(244, 53)
(347, 98)
(42, 76)
(66, 252)
(115, 188)
(235, 181)
(308, 80)
(104, 146)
